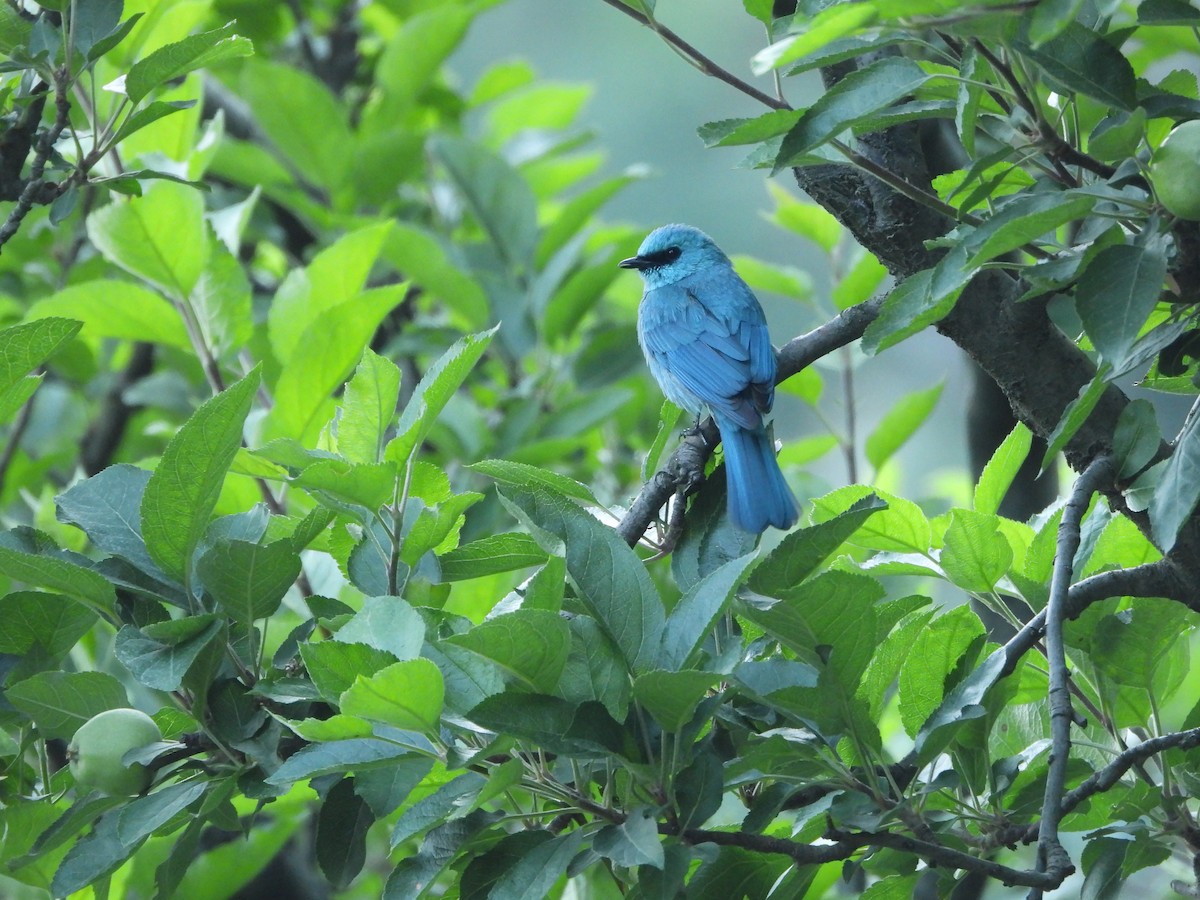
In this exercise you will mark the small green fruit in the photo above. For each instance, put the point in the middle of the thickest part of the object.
(95, 752)
(1175, 171)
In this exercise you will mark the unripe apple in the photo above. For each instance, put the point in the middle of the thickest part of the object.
(95, 752)
(1175, 171)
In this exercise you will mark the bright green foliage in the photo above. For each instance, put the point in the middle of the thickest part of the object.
(319, 412)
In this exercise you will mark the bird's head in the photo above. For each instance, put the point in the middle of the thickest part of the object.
(673, 252)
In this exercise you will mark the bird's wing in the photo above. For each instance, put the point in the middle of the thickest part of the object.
(711, 338)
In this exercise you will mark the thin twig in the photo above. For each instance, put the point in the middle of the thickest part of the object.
(1052, 858)
(45, 145)
(698, 59)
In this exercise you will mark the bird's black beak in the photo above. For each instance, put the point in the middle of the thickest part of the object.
(635, 262)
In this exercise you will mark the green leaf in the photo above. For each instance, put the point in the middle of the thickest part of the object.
(434, 391)
(1116, 294)
(412, 56)
(333, 344)
(530, 645)
(860, 282)
(534, 477)
(671, 697)
(1117, 137)
(1178, 489)
(1081, 60)
(341, 841)
(970, 96)
(174, 60)
(1051, 18)
(635, 842)
(93, 21)
(829, 621)
(248, 580)
(182, 493)
(695, 615)
(1076, 414)
(934, 655)
(491, 555)
(92, 858)
(337, 481)
(901, 526)
(386, 623)
(159, 236)
(303, 119)
(24, 347)
(1024, 220)
(976, 555)
(826, 26)
(334, 665)
(805, 219)
(59, 702)
(337, 757)
(612, 581)
(221, 302)
(1001, 469)
(336, 275)
(500, 199)
(424, 260)
(734, 132)
(117, 309)
(449, 801)
(41, 627)
(860, 94)
(406, 695)
(802, 551)
(148, 115)
(29, 556)
(899, 424)
(917, 302)
(1136, 439)
(145, 815)
(536, 872)
(160, 655)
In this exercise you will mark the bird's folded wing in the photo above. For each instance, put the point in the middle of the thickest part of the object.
(713, 357)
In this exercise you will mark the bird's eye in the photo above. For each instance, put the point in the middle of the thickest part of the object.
(671, 253)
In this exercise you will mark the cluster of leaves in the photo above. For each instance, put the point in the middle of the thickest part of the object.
(1055, 128)
(354, 424)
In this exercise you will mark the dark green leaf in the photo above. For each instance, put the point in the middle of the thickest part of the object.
(182, 492)
(611, 580)
(1081, 60)
(491, 555)
(802, 551)
(1117, 292)
(160, 655)
(342, 823)
(530, 645)
(1137, 439)
(59, 702)
(189, 54)
(857, 96)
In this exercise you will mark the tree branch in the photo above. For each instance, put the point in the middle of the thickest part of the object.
(1052, 857)
(45, 146)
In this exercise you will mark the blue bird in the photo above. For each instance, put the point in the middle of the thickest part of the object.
(706, 342)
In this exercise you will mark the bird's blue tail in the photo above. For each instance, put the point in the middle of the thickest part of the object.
(758, 494)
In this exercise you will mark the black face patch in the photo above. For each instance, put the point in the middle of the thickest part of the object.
(662, 257)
